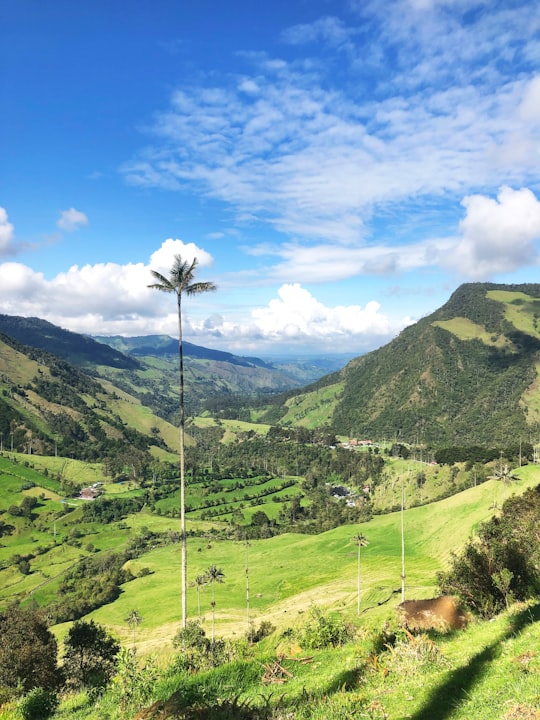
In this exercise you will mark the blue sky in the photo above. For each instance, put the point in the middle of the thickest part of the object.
(337, 167)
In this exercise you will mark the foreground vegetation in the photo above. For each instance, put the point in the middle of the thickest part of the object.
(295, 646)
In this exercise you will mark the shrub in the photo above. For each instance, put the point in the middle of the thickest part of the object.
(265, 629)
(28, 651)
(90, 657)
(134, 684)
(38, 704)
(502, 563)
(324, 630)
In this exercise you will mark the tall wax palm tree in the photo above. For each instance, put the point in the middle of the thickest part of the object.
(214, 575)
(199, 582)
(403, 539)
(360, 541)
(134, 619)
(180, 281)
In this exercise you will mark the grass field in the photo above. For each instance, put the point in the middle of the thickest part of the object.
(289, 572)
(483, 673)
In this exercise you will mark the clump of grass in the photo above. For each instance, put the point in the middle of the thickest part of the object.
(412, 652)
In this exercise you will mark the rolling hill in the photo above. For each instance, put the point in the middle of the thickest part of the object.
(48, 406)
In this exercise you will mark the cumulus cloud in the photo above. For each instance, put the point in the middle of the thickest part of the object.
(6, 233)
(71, 220)
(296, 314)
(296, 321)
(162, 259)
(105, 298)
(497, 235)
(109, 299)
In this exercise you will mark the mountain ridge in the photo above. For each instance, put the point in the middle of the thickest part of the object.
(468, 372)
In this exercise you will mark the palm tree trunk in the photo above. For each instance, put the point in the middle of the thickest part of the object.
(358, 607)
(402, 540)
(213, 615)
(182, 469)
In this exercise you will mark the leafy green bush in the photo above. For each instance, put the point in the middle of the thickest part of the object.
(28, 651)
(38, 704)
(502, 563)
(324, 630)
(90, 657)
(134, 684)
(256, 634)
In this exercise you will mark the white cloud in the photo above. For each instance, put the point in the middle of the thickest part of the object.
(101, 298)
(108, 298)
(162, 259)
(316, 160)
(71, 220)
(330, 30)
(6, 233)
(296, 313)
(497, 235)
(296, 319)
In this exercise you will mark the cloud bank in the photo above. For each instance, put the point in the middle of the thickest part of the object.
(494, 235)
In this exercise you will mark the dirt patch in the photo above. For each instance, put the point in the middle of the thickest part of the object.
(441, 613)
(522, 712)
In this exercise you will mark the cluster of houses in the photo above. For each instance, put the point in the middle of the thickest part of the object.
(92, 492)
(353, 442)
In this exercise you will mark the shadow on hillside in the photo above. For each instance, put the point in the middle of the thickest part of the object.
(444, 699)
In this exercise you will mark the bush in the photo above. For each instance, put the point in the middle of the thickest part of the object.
(323, 630)
(502, 563)
(265, 629)
(134, 684)
(38, 704)
(90, 657)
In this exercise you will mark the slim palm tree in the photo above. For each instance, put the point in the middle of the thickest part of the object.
(180, 282)
(199, 582)
(134, 620)
(360, 541)
(214, 575)
(403, 576)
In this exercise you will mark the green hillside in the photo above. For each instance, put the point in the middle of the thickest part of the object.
(292, 580)
(468, 373)
(48, 406)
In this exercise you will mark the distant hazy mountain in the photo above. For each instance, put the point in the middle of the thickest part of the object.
(77, 349)
(295, 371)
(167, 347)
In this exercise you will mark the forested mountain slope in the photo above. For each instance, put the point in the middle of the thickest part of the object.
(73, 347)
(48, 406)
(467, 373)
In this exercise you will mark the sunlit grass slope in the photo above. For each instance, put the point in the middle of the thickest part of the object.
(290, 572)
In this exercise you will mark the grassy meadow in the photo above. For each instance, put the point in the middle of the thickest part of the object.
(288, 573)
(484, 672)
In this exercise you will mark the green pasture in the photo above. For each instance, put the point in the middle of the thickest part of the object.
(22, 472)
(466, 329)
(312, 409)
(520, 309)
(287, 573)
(290, 572)
(139, 416)
(79, 472)
(199, 499)
(437, 479)
(232, 427)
